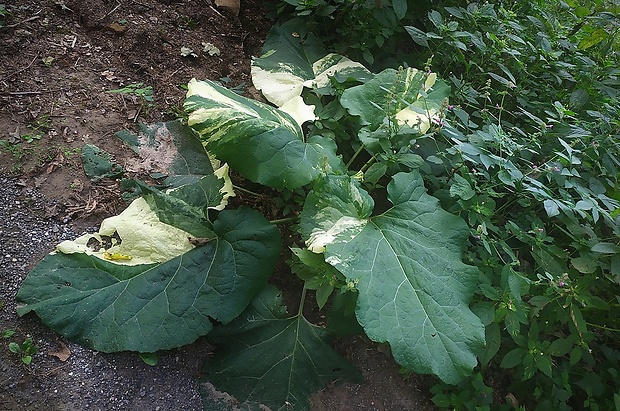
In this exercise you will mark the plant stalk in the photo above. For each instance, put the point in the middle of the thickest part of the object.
(602, 327)
(285, 220)
(245, 190)
(302, 301)
(368, 163)
(357, 153)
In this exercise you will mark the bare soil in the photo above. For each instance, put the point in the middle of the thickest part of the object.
(58, 62)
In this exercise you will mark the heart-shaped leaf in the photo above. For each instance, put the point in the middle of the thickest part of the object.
(110, 306)
(413, 287)
(265, 358)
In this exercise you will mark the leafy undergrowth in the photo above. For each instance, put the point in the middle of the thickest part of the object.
(467, 216)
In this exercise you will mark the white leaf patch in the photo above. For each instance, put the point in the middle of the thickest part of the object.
(344, 230)
(144, 238)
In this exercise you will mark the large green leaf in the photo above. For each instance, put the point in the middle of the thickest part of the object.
(265, 358)
(291, 62)
(148, 307)
(413, 287)
(262, 143)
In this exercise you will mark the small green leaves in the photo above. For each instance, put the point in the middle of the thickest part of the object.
(317, 274)
(263, 357)
(136, 89)
(149, 358)
(25, 349)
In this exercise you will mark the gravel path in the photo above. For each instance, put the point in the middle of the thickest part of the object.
(87, 380)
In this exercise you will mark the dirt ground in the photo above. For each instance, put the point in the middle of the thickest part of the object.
(58, 62)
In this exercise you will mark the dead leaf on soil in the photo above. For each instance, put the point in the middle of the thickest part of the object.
(100, 200)
(63, 354)
(39, 181)
(57, 162)
(15, 136)
(232, 6)
(110, 75)
(210, 49)
(117, 28)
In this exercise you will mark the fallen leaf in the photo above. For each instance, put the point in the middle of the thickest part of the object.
(15, 136)
(210, 49)
(56, 163)
(109, 75)
(232, 6)
(39, 181)
(117, 28)
(48, 61)
(63, 354)
(187, 52)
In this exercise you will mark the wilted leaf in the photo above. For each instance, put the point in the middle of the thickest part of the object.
(171, 148)
(62, 354)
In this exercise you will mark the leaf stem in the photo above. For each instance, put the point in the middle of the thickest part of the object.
(368, 163)
(245, 190)
(602, 327)
(302, 301)
(357, 153)
(285, 220)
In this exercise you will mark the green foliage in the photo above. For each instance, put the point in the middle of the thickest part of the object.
(236, 128)
(3, 13)
(266, 357)
(405, 261)
(149, 358)
(366, 25)
(98, 164)
(82, 295)
(528, 156)
(25, 350)
(339, 217)
(136, 89)
(479, 237)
